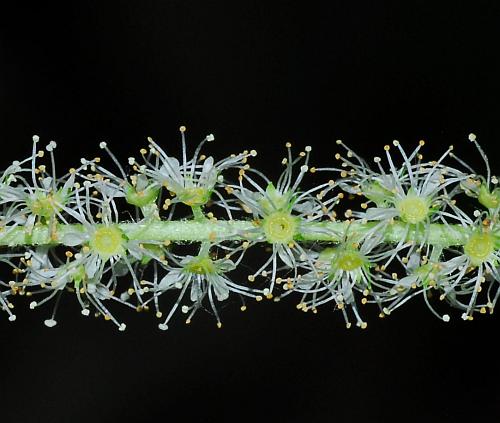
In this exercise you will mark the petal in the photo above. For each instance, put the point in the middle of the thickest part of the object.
(208, 176)
(169, 280)
(407, 281)
(220, 287)
(286, 255)
(196, 290)
(92, 265)
(379, 213)
(74, 238)
(47, 183)
(414, 261)
(70, 183)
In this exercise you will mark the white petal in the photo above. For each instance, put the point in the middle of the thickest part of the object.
(196, 291)
(47, 182)
(92, 265)
(220, 287)
(286, 255)
(407, 281)
(208, 176)
(69, 183)
(379, 213)
(414, 261)
(30, 223)
(169, 280)
(74, 238)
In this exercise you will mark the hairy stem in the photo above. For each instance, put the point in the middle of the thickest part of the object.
(208, 230)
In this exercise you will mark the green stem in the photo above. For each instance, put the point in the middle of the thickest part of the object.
(198, 214)
(210, 230)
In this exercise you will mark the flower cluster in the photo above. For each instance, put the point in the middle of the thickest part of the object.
(115, 235)
(417, 200)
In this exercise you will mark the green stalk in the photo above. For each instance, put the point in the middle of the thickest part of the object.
(210, 230)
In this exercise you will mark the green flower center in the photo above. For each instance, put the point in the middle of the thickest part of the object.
(348, 260)
(46, 205)
(413, 209)
(274, 200)
(141, 198)
(479, 247)
(344, 258)
(201, 265)
(195, 196)
(488, 199)
(78, 276)
(108, 241)
(280, 227)
(377, 193)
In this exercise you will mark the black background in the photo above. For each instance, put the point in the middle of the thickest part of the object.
(256, 75)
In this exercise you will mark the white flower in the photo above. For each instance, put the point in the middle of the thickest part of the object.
(191, 181)
(282, 212)
(47, 275)
(416, 193)
(485, 189)
(29, 193)
(199, 279)
(339, 275)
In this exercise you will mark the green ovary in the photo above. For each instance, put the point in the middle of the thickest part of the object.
(377, 193)
(346, 258)
(201, 265)
(280, 227)
(349, 260)
(490, 200)
(108, 241)
(78, 276)
(275, 200)
(193, 197)
(479, 247)
(141, 198)
(413, 209)
(46, 205)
